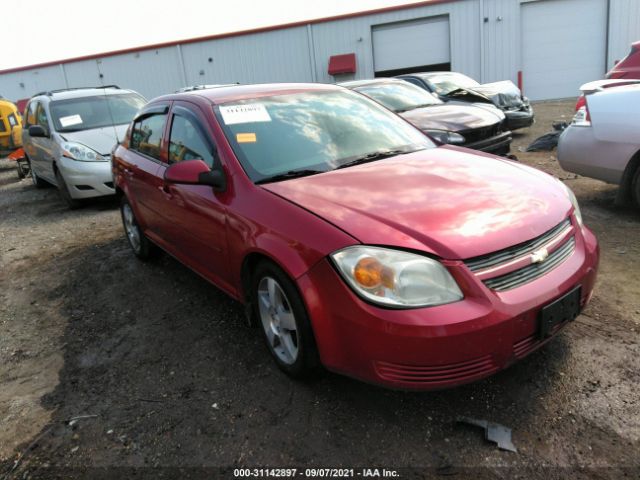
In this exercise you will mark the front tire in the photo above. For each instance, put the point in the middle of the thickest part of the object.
(139, 243)
(71, 202)
(285, 324)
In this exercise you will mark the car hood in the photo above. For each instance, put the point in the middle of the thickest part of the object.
(444, 200)
(503, 94)
(102, 140)
(454, 118)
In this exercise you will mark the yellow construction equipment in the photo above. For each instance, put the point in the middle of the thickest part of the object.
(10, 127)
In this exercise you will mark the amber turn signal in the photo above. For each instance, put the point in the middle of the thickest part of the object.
(370, 273)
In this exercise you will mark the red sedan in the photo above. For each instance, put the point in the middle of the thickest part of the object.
(356, 242)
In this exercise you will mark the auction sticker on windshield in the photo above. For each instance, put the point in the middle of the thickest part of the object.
(70, 120)
(249, 113)
(246, 138)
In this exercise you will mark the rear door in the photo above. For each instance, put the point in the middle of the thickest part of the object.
(141, 164)
(193, 216)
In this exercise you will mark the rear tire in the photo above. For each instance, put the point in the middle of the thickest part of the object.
(37, 181)
(284, 321)
(71, 202)
(142, 247)
(635, 187)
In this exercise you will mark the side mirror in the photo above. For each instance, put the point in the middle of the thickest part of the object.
(38, 131)
(195, 172)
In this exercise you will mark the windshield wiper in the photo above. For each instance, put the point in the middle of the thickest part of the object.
(288, 175)
(373, 156)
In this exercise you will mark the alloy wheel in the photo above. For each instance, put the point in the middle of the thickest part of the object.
(278, 320)
(131, 227)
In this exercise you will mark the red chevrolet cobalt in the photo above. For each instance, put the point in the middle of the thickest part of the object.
(357, 242)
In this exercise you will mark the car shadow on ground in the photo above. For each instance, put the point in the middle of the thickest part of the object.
(169, 374)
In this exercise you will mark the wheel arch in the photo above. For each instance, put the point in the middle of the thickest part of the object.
(249, 263)
(624, 196)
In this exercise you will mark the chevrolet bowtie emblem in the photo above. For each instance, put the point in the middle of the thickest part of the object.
(539, 256)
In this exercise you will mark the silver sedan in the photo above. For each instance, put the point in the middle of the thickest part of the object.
(602, 142)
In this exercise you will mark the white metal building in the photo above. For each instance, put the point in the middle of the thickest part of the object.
(556, 45)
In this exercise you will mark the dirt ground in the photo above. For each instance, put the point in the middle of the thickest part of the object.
(113, 367)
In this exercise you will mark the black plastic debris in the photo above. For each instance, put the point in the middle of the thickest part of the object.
(494, 432)
(548, 141)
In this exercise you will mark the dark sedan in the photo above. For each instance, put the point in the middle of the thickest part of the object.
(456, 87)
(480, 127)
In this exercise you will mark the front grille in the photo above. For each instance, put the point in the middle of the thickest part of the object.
(109, 184)
(438, 374)
(533, 271)
(513, 257)
(478, 134)
(491, 260)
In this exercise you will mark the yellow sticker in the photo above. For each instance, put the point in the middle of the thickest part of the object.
(246, 137)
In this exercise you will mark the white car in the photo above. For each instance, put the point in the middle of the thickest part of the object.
(69, 135)
(603, 140)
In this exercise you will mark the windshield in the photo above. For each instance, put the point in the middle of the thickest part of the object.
(445, 83)
(399, 96)
(312, 132)
(97, 111)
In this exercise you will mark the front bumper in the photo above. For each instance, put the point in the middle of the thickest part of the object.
(443, 346)
(86, 179)
(499, 144)
(519, 118)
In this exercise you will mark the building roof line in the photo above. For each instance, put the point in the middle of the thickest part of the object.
(187, 41)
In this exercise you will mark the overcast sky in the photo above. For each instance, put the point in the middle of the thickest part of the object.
(37, 31)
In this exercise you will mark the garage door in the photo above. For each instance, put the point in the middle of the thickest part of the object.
(407, 45)
(563, 46)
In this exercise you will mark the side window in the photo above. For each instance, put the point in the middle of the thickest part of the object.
(41, 117)
(146, 135)
(31, 114)
(186, 142)
(12, 120)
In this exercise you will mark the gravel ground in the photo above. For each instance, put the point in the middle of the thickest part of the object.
(163, 372)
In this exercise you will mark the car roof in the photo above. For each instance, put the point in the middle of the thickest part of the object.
(372, 81)
(82, 92)
(231, 93)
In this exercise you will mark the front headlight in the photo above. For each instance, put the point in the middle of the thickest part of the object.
(395, 278)
(444, 136)
(574, 202)
(77, 151)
